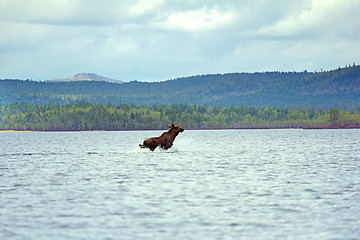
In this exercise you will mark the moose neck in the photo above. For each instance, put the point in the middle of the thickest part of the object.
(173, 133)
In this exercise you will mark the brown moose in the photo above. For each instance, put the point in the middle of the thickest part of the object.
(165, 141)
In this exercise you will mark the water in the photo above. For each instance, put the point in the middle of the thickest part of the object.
(243, 184)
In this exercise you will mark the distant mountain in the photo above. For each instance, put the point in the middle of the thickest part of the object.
(85, 77)
(320, 90)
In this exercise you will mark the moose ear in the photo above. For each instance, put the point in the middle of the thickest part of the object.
(169, 126)
(172, 125)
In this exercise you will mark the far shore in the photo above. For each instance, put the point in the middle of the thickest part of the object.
(10, 131)
(124, 130)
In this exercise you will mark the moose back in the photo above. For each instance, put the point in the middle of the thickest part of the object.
(165, 141)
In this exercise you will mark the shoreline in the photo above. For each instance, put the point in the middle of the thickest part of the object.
(128, 130)
(13, 131)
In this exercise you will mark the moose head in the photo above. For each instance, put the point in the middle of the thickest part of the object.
(175, 128)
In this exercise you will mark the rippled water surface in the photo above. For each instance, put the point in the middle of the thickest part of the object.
(229, 184)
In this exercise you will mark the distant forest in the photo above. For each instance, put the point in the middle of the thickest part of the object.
(88, 116)
(339, 88)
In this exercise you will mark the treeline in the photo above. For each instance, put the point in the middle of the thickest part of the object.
(88, 116)
(339, 88)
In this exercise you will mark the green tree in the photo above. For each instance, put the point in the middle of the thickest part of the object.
(334, 116)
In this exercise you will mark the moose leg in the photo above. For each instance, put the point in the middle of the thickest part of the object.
(152, 146)
(166, 146)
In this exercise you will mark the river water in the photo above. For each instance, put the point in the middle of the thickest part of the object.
(219, 184)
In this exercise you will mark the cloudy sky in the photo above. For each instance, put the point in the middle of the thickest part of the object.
(154, 40)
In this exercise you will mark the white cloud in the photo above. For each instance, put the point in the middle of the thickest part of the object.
(319, 19)
(143, 6)
(65, 12)
(161, 39)
(197, 20)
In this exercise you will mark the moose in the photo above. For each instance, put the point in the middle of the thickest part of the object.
(165, 141)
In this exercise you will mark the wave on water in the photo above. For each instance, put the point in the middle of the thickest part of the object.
(157, 150)
(32, 154)
(102, 153)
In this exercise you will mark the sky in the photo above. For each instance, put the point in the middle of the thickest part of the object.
(156, 40)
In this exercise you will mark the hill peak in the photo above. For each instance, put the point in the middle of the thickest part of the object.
(85, 77)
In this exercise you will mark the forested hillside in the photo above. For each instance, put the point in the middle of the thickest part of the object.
(338, 88)
(87, 116)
